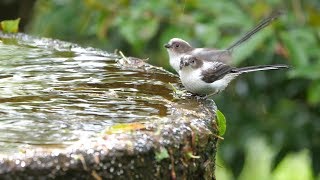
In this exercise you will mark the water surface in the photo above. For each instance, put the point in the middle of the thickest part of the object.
(54, 93)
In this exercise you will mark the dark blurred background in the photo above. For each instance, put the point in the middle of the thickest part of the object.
(272, 117)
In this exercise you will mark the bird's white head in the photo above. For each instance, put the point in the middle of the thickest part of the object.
(190, 61)
(177, 47)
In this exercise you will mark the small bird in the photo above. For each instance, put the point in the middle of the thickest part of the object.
(177, 47)
(207, 78)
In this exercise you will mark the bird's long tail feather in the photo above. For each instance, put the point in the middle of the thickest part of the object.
(260, 68)
(264, 23)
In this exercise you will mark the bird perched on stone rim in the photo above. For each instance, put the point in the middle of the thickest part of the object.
(203, 77)
(177, 47)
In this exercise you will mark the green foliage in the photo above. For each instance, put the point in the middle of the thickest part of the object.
(284, 105)
(246, 50)
(162, 154)
(10, 26)
(294, 166)
(313, 95)
(259, 160)
(222, 123)
(222, 171)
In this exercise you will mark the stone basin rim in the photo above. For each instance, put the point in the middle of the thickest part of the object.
(177, 131)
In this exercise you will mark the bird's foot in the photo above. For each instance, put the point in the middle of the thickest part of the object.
(199, 97)
(214, 93)
(177, 93)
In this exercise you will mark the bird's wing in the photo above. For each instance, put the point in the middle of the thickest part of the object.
(208, 54)
(215, 71)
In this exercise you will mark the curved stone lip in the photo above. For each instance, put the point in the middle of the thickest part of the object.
(183, 144)
(187, 131)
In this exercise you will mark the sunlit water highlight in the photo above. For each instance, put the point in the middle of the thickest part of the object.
(54, 96)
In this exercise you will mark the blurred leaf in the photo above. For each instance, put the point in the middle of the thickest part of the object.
(314, 16)
(222, 171)
(309, 72)
(207, 33)
(313, 94)
(138, 31)
(219, 7)
(258, 160)
(294, 166)
(232, 22)
(124, 127)
(222, 124)
(172, 31)
(297, 52)
(246, 49)
(10, 26)
(260, 7)
(162, 154)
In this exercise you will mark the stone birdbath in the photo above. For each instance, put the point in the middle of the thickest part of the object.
(81, 113)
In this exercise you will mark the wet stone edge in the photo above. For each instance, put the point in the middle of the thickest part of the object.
(190, 144)
(188, 137)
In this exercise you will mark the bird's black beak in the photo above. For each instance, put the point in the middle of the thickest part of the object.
(183, 63)
(167, 46)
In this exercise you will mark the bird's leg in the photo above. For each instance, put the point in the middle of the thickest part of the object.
(198, 97)
(214, 93)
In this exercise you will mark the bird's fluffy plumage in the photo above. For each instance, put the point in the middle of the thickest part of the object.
(177, 47)
(210, 77)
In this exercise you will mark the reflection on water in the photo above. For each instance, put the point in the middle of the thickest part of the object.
(52, 95)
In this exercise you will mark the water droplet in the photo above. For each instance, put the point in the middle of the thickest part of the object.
(111, 169)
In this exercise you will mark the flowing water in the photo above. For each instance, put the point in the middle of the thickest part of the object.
(54, 93)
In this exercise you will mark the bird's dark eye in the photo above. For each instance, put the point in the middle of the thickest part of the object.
(192, 61)
(177, 45)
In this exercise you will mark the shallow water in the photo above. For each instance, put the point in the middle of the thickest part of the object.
(54, 93)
